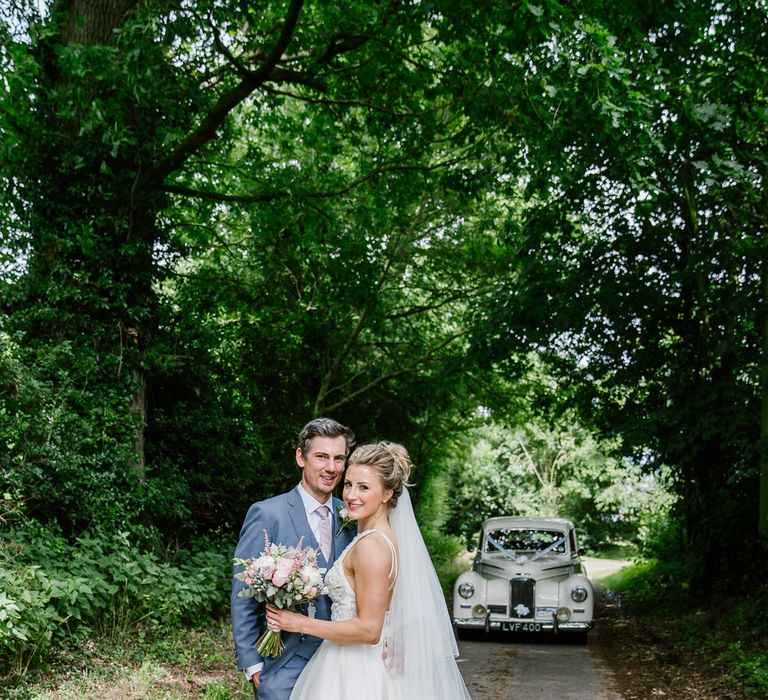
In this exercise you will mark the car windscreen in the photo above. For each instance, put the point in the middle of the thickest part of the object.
(524, 540)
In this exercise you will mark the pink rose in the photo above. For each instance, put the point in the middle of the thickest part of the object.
(265, 565)
(283, 572)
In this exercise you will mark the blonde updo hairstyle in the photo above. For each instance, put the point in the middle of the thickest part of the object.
(392, 463)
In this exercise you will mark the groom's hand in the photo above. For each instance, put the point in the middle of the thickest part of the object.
(256, 679)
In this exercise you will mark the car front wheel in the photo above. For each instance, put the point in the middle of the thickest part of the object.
(576, 637)
(466, 634)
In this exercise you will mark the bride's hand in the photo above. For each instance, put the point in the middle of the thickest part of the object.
(285, 620)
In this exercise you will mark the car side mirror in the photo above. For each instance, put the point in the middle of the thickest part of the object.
(471, 548)
(580, 551)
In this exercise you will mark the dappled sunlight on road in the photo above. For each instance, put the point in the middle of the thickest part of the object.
(598, 569)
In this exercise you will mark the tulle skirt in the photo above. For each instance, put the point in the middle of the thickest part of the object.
(343, 672)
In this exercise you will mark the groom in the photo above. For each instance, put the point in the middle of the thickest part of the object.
(308, 511)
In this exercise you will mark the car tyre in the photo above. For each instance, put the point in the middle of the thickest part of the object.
(465, 634)
(578, 638)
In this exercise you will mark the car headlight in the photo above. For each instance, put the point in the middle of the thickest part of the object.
(466, 590)
(579, 594)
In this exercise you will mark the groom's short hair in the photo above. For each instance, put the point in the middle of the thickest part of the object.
(324, 427)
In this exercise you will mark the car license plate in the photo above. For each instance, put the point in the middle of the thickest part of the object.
(522, 626)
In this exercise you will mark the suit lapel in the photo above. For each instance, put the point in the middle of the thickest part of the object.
(340, 539)
(335, 505)
(298, 516)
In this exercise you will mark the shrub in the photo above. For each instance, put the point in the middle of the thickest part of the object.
(49, 589)
(748, 669)
(731, 629)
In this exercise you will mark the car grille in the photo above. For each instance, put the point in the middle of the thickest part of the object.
(521, 596)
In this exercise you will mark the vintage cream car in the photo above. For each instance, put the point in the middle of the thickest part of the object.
(527, 576)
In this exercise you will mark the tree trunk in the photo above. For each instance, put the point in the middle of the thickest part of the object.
(763, 513)
(93, 22)
(101, 262)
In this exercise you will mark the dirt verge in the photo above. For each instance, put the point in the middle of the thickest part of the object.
(646, 662)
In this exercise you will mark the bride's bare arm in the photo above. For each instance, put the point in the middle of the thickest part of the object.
(370, 561)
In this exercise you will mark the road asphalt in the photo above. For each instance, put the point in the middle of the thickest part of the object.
(510, 667)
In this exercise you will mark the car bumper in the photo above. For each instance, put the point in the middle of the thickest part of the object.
(510, 625)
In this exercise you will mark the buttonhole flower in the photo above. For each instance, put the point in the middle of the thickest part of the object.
(344, 520)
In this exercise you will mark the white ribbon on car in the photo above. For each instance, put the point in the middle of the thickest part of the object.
(505, 552)
(523, 559)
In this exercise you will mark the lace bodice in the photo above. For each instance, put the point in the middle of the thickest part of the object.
(340, 591)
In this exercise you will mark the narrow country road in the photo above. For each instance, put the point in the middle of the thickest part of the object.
(510, 667)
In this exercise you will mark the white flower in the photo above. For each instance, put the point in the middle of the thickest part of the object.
(345, 520)
(264, 560)
(311, 576)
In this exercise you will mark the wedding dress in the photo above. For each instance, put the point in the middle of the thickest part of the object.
(345, 671)
(415, 658)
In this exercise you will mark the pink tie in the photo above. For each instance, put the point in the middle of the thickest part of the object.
(325, 531)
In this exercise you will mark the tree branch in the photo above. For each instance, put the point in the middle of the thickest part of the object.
(352, 339)
(424, 308)
(294, 77)
(386, 377)
(241, 70)
(346, 103)
(210, 195)
(532, 464)
(206, 130)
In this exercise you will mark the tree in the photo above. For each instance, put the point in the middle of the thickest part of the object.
(182, 186)
(531, 470)
(636, 270)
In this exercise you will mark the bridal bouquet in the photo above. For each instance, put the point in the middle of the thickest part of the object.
(285, 577)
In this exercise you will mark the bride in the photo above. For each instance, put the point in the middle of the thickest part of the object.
(389, 634)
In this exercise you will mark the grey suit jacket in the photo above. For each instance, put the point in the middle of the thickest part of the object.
(285, 520)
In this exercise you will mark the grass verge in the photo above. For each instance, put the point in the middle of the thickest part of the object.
(146, 665)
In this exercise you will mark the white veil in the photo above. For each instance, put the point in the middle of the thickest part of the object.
(420, 644)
